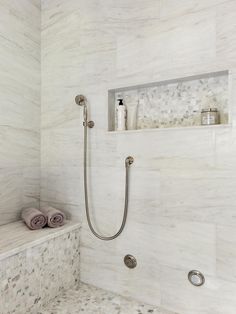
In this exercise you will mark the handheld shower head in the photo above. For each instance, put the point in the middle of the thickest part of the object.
(80, 100)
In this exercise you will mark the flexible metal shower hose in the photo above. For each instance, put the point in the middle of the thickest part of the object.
(128, 162)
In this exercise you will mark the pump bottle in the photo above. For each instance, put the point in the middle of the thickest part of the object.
(121, 113)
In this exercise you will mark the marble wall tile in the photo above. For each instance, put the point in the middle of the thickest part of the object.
(59, 109)
(225, 149)
(125, 10)
(110, 272)
(173, 8)
(19, 147)
(19, 106)
(182, 181)
(31, 179)
(172, 43)
(225, 245)
(62, 185)
(178, 149)
(216, 296)
(11, 194)
(182, 245)
(225, 31)
(62, 147)
(201, 195)
(19, 188)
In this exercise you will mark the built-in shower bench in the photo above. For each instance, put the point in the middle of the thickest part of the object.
(36, 266)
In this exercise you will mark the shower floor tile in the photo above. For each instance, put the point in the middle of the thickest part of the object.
(91, 300)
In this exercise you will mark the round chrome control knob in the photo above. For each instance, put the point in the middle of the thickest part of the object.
(196, 278)
(130, 261)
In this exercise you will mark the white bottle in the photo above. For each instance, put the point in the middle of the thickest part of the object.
(121, 113)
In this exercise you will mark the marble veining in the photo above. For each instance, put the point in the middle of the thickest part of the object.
(90, 300)
(19, 107)
(179, 103)
(183, 180)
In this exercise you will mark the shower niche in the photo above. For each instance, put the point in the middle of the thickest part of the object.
(173, 103)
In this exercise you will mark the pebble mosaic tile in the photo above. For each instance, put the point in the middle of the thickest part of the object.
(91, 300)
(31, 278)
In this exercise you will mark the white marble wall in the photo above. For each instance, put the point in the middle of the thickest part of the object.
(182, 203)
(19, 106)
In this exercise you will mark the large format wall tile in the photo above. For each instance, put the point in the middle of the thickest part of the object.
(168, 149)
(216, 296)
(19, 106)
(226, 255)
(109, 272)
(182, 181)
(225, 31)
(199, 195)
(173, 8)
(19, 188)
(62, 185)
(168, 44)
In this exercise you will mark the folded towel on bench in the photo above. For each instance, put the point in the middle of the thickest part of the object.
(33, 218)
(55, 217)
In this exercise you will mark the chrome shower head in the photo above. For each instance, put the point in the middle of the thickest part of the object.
(80, 100)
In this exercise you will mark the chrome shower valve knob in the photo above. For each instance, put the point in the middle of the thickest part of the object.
(130, 261)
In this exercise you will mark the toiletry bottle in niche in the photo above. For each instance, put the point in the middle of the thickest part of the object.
(210, 116)
(121, 113)
(132, 116)
(131, 106)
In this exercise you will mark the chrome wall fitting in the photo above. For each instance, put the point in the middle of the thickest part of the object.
(130, 261)
(80, 100)
(129, 160)
(89, 124)
(196, 278)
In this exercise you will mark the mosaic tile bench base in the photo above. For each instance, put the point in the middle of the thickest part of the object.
(36, 266)
(90, 300)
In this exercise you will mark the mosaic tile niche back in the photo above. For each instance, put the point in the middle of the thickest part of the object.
(177, 103)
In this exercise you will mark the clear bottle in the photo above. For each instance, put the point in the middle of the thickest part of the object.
(121, 113)
(132, 116)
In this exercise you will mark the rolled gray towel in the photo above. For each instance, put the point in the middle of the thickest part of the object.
(33, 218)
(55, 217)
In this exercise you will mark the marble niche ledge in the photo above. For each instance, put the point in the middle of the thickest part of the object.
(174, 129)
(36, 266)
